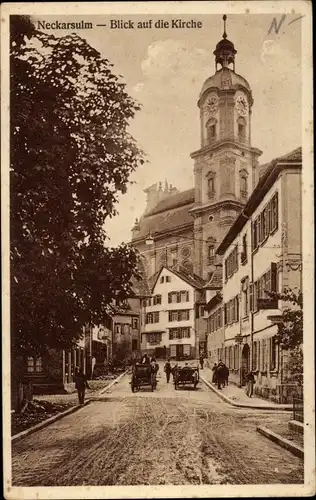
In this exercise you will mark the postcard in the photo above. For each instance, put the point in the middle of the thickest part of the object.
(157, 250)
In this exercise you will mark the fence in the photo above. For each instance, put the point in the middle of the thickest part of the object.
(298, 410)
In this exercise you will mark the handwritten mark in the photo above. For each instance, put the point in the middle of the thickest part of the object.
(274, 25)
(297, 19)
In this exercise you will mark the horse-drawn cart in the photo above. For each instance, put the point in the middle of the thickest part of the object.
(143, 375)
(186, 375)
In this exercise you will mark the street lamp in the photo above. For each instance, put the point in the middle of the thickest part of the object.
(149, 240)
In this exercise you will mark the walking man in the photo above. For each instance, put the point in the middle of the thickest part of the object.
(167, 370)
(250, 379)
(220, 375)
(225, 374)
(214, 369)
(201, 361)
(81, 383)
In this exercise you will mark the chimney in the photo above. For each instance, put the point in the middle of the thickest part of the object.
(135, 229)
(152, 197)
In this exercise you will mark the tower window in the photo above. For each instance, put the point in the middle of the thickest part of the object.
(243, 183)
(241, 129)
(211, 130)
(211, 184)
(211, 254)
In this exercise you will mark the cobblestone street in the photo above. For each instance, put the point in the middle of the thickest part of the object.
(164, 437)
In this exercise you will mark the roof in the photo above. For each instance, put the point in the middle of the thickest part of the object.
(267, 180)
(217, 81)
(213, 302)
(140, 285)
(174, 201)
(215, 283)
(168, 214)
(192, 279)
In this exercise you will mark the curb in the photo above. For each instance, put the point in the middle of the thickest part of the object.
(242, 405)
(284, 443)
(59, 416)
(47, 422)
(115, 381)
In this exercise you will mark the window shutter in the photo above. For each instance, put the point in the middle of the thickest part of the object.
(250, 297)
(273, 273)
(276, 210)
(266, 355)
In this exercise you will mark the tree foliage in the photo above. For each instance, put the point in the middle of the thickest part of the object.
(290, 331)
(71, 154)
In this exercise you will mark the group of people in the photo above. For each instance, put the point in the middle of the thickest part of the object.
(220, 374)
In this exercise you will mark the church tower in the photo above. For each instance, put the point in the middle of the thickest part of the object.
(226, 165)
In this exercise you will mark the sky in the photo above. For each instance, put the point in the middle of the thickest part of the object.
(164, 70)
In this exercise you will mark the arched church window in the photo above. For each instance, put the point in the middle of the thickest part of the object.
(211, 130)
(244, 184)
(241, 129)
(211, 185)
(211, 254)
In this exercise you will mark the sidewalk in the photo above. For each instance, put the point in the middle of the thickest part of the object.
(237, 397)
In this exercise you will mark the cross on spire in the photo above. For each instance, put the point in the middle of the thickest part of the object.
(224, 19)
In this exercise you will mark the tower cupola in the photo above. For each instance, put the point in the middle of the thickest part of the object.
(225, 51)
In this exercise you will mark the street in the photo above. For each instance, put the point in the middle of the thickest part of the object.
(165, 437)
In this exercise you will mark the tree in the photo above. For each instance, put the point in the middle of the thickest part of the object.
(290, 331)
(71, 154)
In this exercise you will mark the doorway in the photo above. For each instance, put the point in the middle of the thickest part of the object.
(179, 352)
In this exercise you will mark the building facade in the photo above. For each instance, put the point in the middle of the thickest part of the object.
(170, 318)
(261, 252)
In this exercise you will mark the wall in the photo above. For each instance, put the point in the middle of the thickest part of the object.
(264, 356)
(164, 324)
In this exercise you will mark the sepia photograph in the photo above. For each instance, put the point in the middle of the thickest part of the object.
(158, 252)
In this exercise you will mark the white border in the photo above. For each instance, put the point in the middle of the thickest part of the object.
(218, 7)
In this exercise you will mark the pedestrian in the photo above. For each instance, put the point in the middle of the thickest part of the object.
(174, 371)
(167, 370)
(220, 375)
(154, 368)
(250, 380)
(81, 383)
(225, 374)
(214, 369)
(201, 362)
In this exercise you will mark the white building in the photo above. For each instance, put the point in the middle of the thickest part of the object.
(171, 317)
(261, 251)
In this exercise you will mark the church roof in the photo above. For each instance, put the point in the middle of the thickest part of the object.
(216, 80)
(170, 213)
(174, 201)
(265, 182)
(140, 286)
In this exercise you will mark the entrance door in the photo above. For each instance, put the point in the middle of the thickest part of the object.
(179, 352)
(245, 362)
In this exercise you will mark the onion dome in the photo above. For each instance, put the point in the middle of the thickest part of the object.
(225, 50)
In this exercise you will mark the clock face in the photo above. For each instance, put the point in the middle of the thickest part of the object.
(211, 105)
(242, 105)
